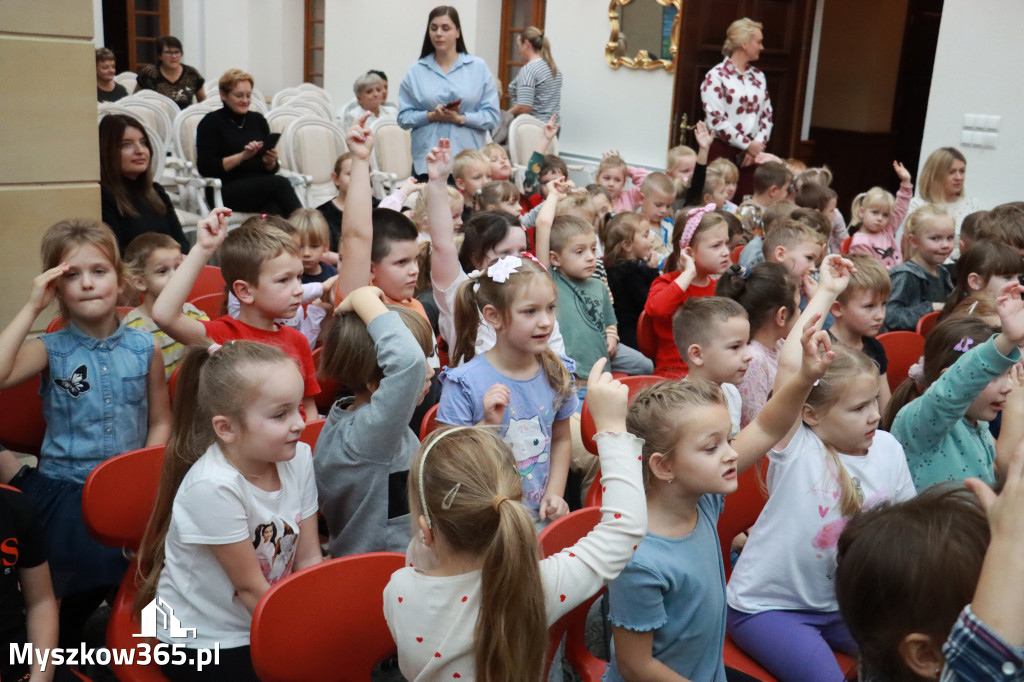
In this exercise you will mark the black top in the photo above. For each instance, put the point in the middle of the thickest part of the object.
(332, 214)
(22, 545)
(874, 349)
(117, 93)
(629, 282)
(148, 220)
(222, 133)
(326, 272)
(181, 91)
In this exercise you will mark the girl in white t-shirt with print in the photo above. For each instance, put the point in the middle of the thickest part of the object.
(782, 605)
(234, 466)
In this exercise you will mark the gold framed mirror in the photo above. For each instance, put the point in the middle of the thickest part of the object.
(646, 28)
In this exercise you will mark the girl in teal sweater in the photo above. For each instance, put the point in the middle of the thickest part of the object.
(940, 414)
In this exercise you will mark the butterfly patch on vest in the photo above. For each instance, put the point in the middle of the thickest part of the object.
(76, 384)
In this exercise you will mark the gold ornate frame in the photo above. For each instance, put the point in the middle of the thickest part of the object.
(642, 60)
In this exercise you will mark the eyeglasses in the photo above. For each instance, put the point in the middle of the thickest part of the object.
(172, 53)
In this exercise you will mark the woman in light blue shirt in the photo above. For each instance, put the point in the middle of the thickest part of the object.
(447, 93)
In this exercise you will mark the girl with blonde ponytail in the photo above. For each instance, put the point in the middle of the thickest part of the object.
(537, 88)
(475, 603)
(834, 462)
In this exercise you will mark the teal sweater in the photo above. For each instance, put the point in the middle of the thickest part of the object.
(940, 443)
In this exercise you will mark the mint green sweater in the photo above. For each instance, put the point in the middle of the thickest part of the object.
(940, 443)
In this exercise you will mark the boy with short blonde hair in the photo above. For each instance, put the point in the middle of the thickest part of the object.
(657, 193)
(314, 239)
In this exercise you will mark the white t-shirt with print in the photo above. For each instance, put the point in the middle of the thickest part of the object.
(789, 560)
(216, 505)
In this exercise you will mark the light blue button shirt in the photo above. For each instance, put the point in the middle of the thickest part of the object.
(95, 399)
(426, 85)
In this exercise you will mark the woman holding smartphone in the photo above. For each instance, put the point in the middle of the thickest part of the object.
(447, 93)
(235, 145)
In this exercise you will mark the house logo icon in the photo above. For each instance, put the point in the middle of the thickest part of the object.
(159, 609)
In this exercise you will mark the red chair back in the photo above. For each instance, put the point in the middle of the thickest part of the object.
(587, 428)
(22, 426)
(123, 625)
(211, 304)
(902, 349)
(429, 422)
(311, 433)
(735, 255)
(329, 388)
(844, 246)
(344, 599)
(209, 281)
(119, 495)
(927, 323)
(646, 337)
(558, 535)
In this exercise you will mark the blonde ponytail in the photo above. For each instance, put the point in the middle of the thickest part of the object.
(539, 42)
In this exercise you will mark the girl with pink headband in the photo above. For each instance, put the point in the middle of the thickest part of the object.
(700, 254)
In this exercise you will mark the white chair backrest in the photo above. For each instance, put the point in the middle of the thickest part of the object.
(313, 106)
(280, 119)
(392, 149)
(152, 114)
(318, 92)
(282, 97)
(184, 134)
(128, 79)
(310, 145)
(350, 106)
(158, 146)
(169, 106)
(524, 134)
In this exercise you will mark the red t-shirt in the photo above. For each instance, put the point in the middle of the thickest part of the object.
(663, 299)
(291, 341)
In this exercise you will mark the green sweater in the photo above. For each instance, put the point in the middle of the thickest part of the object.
(940, 443)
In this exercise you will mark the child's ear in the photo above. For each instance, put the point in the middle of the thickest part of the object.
(426, 535)
(661, 467)
(783, 314)
(460, 184)
(836, 309)
(779, 254)
(694, 355)
(224, 429)
(243, 291)
(922, 655)
(963, 245)
(138, 283)
(641, 197)
(492, 316)
(554, 259)
(974, 282)
(809, 416)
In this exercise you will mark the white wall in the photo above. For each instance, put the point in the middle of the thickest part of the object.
(978, 70)
(604, 108)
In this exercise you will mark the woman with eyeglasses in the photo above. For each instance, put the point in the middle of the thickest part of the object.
(169, 76)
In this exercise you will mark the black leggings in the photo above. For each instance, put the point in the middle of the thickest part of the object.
(261, 194)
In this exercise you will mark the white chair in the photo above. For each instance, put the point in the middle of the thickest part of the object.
(151, 113)
(391, 160)
(309, 147)
(312, 106)
(525, 133)
(129, 79)
(280, 119)
(169, 106)
(349, 107)
(318, 92)
(284, 96)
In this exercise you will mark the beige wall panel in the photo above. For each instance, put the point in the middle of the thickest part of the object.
(48, 115)
(28, 211)
(66, 18)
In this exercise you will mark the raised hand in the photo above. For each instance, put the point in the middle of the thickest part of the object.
(211, 230)
(410, 186)
(703, 135)
(901, 172)
(359, 138)
(495, 401)
(551, 127)
(818, 353)
(1011, 312)
(834, 274)
(44, 287)
(359, 298)
(607, 399)
(439, 161)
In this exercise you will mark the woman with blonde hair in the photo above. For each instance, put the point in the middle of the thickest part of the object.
(537, 88)
(741, 132)
(941, 182)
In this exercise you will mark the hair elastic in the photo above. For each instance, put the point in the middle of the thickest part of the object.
(213, 348)
(964, 345)
(498, 499)
(692, 221)
(450, 495)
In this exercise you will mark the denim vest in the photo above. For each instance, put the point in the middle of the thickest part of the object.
(94, 399)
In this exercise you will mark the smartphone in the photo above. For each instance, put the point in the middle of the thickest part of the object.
(453, 104)
(270, 142)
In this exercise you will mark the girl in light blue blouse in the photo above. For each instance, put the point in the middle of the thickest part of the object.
(447, 93)
(963, 382)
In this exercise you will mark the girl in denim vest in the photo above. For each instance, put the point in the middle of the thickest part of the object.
(103, 393)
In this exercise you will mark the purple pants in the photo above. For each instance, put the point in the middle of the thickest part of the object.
(794, 646)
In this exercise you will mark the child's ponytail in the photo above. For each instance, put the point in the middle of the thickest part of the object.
(467, 321)
(944, 345)
(466, 485)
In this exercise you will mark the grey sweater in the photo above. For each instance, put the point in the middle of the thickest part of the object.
(362, 457)
(913, 292)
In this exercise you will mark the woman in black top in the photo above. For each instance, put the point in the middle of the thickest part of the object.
(131, 202)
(169, 76)
(229, 146)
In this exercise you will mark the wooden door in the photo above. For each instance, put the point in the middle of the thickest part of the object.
(787, 38)
(516, 15)
(147, 21)
(313, 44)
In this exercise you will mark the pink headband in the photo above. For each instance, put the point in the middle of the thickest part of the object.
(693, 219)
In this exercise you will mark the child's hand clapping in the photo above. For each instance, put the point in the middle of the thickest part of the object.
(902, 173)
(607, 399)
(495, 401)
(439, 161)
(211, 230)
(818, 353)
(359, 138)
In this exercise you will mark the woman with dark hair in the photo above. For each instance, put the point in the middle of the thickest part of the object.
(169, 76)
(229, 146)
(447, 93)
(131, 202)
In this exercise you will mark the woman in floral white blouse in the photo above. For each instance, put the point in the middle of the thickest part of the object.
(737, 108)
